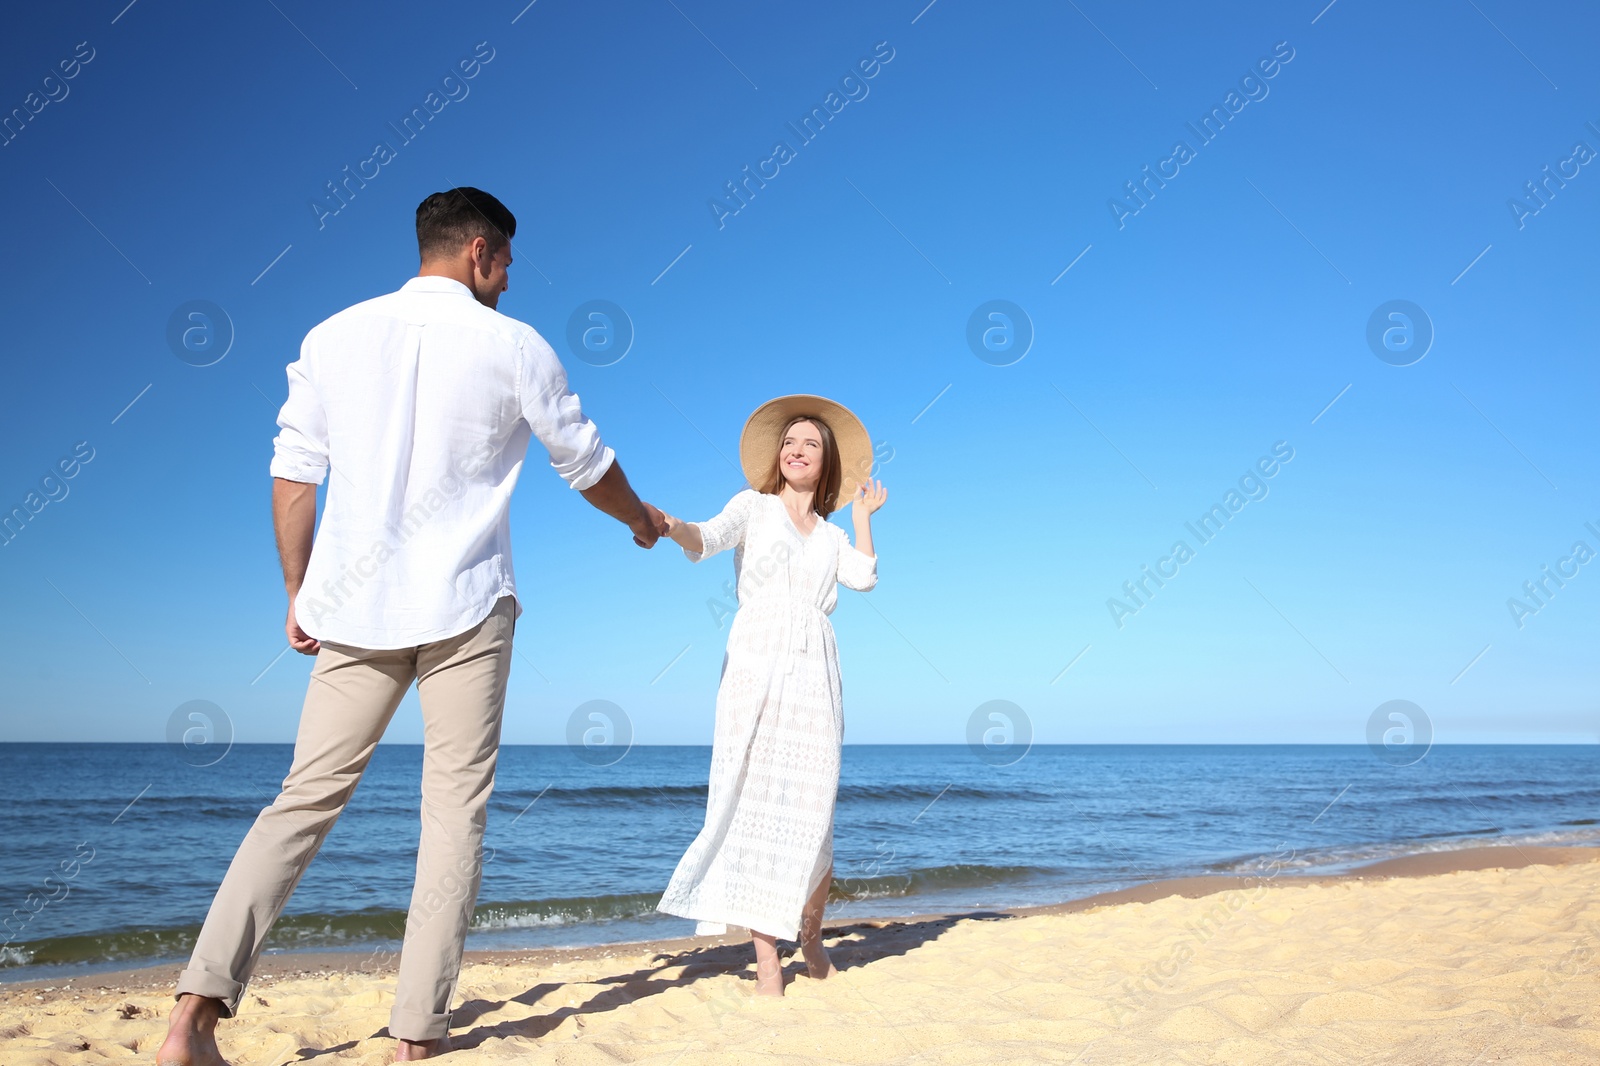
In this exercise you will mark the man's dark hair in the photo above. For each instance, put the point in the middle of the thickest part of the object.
(448, 220)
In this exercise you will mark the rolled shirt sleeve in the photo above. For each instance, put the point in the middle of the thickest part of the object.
(300, 450)
(555, 415)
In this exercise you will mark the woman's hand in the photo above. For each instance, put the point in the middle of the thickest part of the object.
(685, 535)
(868, 497)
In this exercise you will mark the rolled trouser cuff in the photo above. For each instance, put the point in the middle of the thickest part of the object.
(212, 986)
(417, 1026)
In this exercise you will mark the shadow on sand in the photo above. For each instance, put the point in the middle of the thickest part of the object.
(850, 946)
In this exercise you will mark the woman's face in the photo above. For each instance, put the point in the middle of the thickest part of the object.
(800, 456)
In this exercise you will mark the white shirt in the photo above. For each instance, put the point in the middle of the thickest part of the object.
(422, 402)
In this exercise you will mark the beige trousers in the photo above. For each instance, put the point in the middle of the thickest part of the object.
(461, 682)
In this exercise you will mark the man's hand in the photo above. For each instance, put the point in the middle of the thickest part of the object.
(299, 639)
(294, 519)
(650, 527)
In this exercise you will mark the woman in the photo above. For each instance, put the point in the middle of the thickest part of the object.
(764, 859)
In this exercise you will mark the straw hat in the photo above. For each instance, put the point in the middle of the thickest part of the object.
(759, 443)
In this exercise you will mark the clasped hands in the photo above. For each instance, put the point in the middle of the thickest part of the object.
(651, 525)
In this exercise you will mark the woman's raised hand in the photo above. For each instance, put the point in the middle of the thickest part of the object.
(869, 496)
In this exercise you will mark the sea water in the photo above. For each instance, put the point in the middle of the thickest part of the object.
(112, 852)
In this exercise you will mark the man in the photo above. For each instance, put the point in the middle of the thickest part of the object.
(422, 402)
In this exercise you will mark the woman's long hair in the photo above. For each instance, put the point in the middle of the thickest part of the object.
(826, 498)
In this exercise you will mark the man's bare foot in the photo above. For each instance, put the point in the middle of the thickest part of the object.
(192, 1033)
(411, 1050)
(818, 965)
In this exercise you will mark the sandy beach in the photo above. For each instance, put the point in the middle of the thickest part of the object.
(1478, 956)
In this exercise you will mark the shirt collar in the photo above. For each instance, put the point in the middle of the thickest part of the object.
(435, 283)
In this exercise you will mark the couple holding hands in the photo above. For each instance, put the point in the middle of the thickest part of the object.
(422, 404)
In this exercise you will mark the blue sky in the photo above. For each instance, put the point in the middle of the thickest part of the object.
(182, 161)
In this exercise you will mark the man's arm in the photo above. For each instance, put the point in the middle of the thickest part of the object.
(555, 415)
(613, 495)
(294, 521)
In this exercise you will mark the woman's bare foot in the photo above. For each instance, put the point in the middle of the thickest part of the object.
(769, 967)
(769, 982)
(411, 1050)
(192, 1033)
(818, 965)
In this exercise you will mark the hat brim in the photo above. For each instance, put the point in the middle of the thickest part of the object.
(759, 443)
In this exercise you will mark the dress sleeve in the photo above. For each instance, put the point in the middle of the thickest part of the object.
(300, 450)
(857, 569)
(556, 417)
(727, 529)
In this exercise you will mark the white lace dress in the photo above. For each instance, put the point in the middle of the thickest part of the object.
(768, 835)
